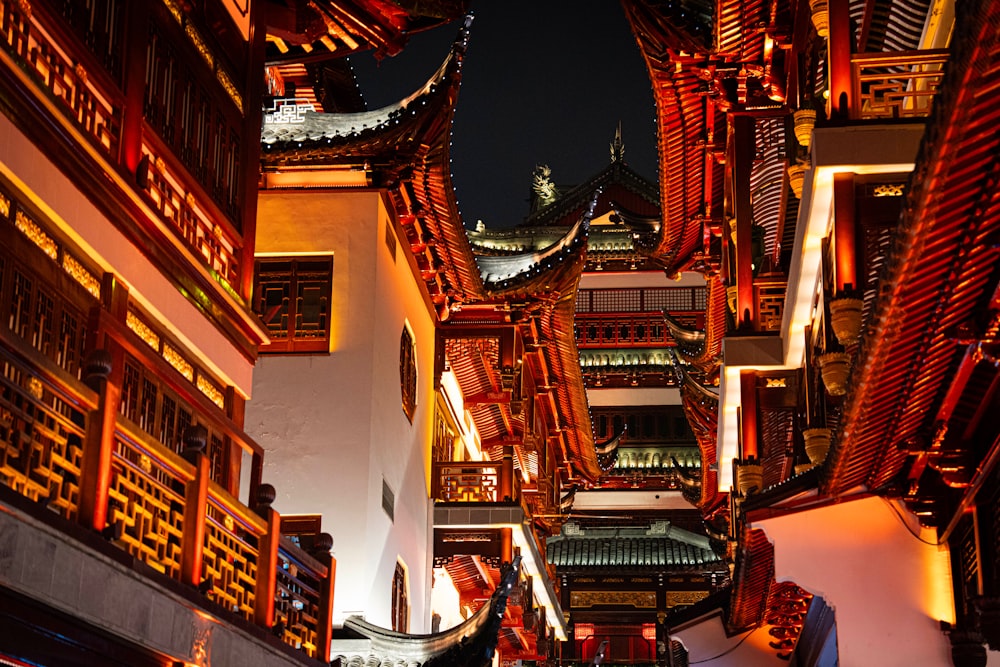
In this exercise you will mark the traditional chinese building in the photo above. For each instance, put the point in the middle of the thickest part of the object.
(840, 446)
(135, 525)
(425, 399)
(445, 402)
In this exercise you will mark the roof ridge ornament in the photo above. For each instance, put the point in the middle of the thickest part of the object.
(542, 185)
(618, 146)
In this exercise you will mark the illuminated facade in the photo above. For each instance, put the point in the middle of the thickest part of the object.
(838, 201)
(828, 168)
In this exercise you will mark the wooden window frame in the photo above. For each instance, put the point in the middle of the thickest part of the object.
(295, 341)
(400, 599)
(408, 372)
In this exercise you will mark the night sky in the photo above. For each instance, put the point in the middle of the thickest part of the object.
(544, 82)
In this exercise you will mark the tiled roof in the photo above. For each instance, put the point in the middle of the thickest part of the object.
(940, 274)
(630, 548)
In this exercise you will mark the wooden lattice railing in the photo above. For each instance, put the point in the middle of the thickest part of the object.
(602, 330)
(469, 481)
(188, 175)
(896, 85)
(64, 445)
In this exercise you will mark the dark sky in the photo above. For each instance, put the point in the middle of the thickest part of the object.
(544, 82)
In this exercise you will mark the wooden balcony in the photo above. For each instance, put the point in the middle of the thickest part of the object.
(64, 445)
(474, 481)
(617, 330)
(172, 126)
(895, 85)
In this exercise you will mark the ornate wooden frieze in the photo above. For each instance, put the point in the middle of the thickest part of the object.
(450, 543)
(637, 599)
(676, 598)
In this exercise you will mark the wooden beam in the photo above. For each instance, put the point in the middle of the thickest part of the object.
(841, 34)
(743, 141)
(749, 444)
(845, 235)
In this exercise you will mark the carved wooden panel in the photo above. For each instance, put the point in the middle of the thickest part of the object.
(297, 599)
(897, 85)
(675, 598)
(198, 124)
(770, 304)
(146, 504)
(230, 561)
(469, 483)
(637, 599)
(95, 111)
(99, 25)
(41, 440)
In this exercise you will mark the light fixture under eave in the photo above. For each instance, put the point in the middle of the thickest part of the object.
(343, 177)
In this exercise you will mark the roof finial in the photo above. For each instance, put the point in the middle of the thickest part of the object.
(618, 146)
(544, 189)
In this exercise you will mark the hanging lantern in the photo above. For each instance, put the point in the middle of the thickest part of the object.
(817, 444)
(749, 478)
(835, 368)
(845, 320)
(804, 121)
(796, 178)
(820, 17)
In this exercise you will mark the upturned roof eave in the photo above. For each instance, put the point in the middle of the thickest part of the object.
(616, 172)
(960, 140)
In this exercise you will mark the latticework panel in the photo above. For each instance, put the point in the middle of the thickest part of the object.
(40, 442)
(146, 504)
(229, 561)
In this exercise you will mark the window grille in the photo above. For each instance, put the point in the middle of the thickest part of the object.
(400, 601)
(388, 501)
(390, 241)
(292, 297)
(408, 372)
(641, 300)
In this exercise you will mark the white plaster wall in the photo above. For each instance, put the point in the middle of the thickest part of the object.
(889, 590)
(69, 209)
(333, 425)
(708, 645)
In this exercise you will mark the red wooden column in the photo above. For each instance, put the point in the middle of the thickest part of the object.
(267, 558)
(104, 372)
(235, 410)
(845, 232)
(743, 140)
(195, 504)
(748, 415)
(841, 36)
(326, 591)
(507, 495)
(95, 466)
(136, 37)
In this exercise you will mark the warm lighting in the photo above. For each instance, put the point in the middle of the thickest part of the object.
(729, 431)
(815, 219)
(533, 565)
(318, 178)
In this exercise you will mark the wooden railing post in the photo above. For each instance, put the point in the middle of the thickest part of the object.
(95, 467)
(267, 554)
(195, 504)
(842, 104)
(321, 551)
(744, 144)
(507, 475)
(844, 230)
(507, 495)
